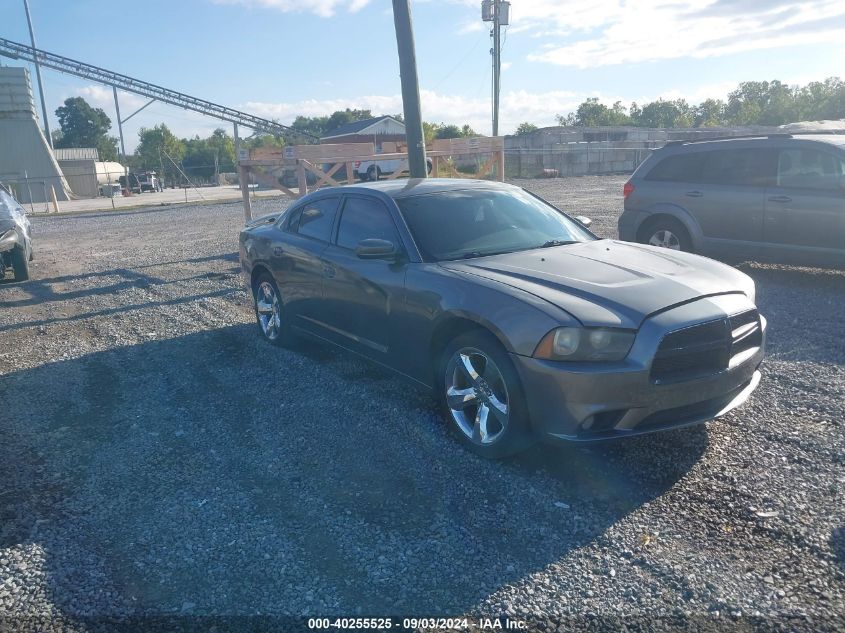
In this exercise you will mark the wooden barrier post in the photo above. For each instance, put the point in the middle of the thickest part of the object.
(243, 179)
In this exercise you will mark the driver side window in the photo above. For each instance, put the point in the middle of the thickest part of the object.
(364, 219)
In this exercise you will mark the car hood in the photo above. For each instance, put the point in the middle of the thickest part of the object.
(607, 282)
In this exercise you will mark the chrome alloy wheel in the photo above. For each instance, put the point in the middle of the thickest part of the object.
(477, 396)
(269, 310)
(665, 239)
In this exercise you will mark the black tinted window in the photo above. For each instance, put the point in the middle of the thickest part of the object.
(749, 167)
(809, 169)
(678, 168)
(478, 222)
(293, 219)
(316, 219)
(364, 219)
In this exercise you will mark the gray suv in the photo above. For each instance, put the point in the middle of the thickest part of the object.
(779, 197)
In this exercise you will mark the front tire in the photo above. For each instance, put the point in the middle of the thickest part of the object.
(481, 396)
(20, 264)
(270, 312)
(666, 233)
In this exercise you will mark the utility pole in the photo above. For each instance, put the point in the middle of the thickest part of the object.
(119, 123)
(410, 88)
(38, 76)
(122, 145)
(497, 12)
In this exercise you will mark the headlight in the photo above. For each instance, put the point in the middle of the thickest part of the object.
(592, 344)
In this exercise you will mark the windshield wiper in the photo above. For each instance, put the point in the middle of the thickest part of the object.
(551, 243)
(473, 254)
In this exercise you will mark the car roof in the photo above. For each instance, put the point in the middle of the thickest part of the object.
(751, 140)
(407, 187)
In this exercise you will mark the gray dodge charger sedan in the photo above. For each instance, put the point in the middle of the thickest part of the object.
(523, 323)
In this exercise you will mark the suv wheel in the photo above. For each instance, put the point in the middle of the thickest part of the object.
(666, 233)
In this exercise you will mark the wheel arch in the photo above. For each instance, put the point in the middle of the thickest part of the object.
(676, 213)
(257, 270)
(452, 325)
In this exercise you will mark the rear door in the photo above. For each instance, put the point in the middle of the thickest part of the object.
(362, 295)
(805, 207)
(296, 259)
(729, 200)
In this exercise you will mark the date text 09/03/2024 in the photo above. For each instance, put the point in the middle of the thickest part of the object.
(411, 624)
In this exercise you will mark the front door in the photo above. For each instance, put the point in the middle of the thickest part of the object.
(805, 209)
(360, 295)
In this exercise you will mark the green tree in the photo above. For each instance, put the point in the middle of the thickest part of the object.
(342, 117)
(525, 128)
(662, 113)
(84, 126)
(709, 113)
(451, 130)
(591, 113)
(158, 149)
(763, 103)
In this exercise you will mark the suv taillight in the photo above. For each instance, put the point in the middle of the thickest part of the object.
(627, 190)
(357, 164)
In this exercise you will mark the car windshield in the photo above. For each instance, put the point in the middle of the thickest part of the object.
(468, 223)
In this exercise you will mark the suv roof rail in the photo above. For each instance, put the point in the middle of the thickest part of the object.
(727, 138)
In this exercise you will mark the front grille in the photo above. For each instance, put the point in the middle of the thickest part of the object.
(705, 348)
(746, 332)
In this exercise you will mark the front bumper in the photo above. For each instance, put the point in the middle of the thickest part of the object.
(590, 401)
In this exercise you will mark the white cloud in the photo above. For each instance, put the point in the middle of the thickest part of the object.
(323, 8)
(604, 32)
(471, 26)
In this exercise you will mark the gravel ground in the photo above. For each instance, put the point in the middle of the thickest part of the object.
(158, 459)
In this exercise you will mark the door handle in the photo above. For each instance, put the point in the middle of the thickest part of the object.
(780, 199)
(328, 271)
(694, 194)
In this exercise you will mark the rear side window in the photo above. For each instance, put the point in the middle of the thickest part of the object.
(364, 219)
(315, 220)
(809, 169)
(745, 167)
(678, 168)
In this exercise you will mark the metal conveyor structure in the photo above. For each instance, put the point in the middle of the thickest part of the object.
(15, 50)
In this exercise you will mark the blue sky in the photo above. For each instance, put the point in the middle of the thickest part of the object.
(280, 58)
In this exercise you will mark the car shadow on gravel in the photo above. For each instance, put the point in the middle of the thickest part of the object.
(801, 306)
(213, 473)
(82, 286)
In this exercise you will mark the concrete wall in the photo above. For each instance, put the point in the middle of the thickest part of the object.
(27, 164)
(603, 150)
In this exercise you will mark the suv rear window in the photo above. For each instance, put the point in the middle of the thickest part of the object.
(678, 168)
(748, 167)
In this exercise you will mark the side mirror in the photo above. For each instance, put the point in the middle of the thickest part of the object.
(375, 249)
(584, 220)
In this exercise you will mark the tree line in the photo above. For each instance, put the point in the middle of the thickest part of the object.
(766, 103)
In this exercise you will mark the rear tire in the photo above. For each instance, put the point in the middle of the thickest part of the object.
(481, 396)
(20, 264)
(270, 312)
(373, 173)
(665, 232)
